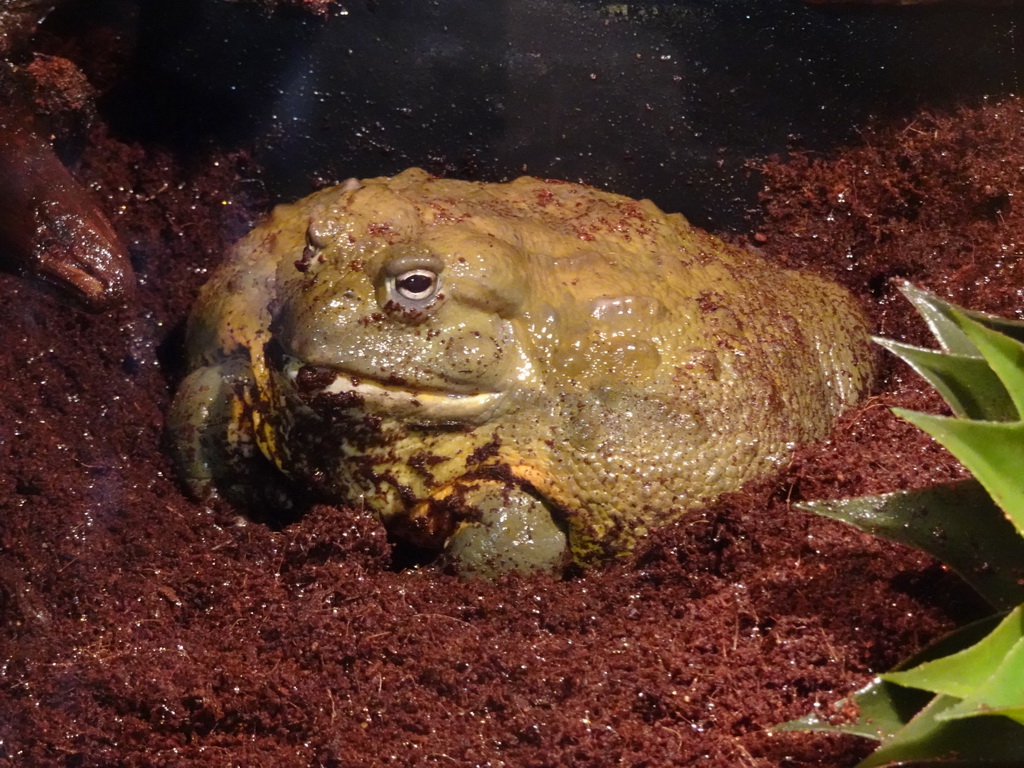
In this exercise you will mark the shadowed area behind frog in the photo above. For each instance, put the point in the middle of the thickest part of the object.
(519, 375)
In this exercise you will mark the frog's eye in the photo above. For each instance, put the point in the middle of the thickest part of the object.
(411, 282)
(417, 284)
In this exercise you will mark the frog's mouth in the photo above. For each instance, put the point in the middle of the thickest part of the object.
(359, 391)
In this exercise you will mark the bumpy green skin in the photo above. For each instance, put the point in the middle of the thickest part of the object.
(587, 367)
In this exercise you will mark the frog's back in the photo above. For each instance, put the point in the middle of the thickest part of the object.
(606, 268)
(684, 366)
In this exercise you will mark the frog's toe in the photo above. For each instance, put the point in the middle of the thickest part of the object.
(514, 532)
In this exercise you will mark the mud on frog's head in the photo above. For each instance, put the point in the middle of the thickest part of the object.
(411, 320)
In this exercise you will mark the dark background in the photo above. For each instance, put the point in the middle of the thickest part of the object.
(675, 101)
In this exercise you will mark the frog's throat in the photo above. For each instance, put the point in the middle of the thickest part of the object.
(436, 403)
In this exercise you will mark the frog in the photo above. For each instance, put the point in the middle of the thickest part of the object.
(527, 376)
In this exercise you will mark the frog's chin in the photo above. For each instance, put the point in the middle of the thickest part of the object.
(419, 403)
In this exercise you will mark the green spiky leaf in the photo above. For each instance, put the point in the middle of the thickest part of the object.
(1004, 355)
(991, 742)
(884, 707)
(968, 384)
(976, 717)
(944, 327)
(1001, 694)
(957, 523)
(938, 315)
(991, 450)
(963, 674)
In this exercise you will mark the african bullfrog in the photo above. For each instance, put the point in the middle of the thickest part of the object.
(519, 375)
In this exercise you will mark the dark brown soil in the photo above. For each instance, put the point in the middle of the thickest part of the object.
(143, 629)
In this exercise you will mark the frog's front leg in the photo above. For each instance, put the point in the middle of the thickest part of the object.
(509, 529)
(212, 439)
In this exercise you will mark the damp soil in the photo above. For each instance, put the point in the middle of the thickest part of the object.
(141, 628)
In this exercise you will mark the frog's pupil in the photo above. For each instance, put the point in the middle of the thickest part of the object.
(416, 285)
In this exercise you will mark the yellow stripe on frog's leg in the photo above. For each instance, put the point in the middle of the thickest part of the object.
(431, 522)
(264, 434)
(246, 427)
(249, 473)
(257, 396)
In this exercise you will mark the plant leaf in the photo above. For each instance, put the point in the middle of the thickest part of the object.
(976, 717)
(1012, 328)
(884, 707)
(1004, 355)
(944, 327)
(963, 674)
(991, 450)
(968, 384)
(1001, 693)
(993, 742)
(957, 523)
(937, 314)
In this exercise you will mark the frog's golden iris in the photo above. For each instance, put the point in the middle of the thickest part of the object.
(520, 375)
